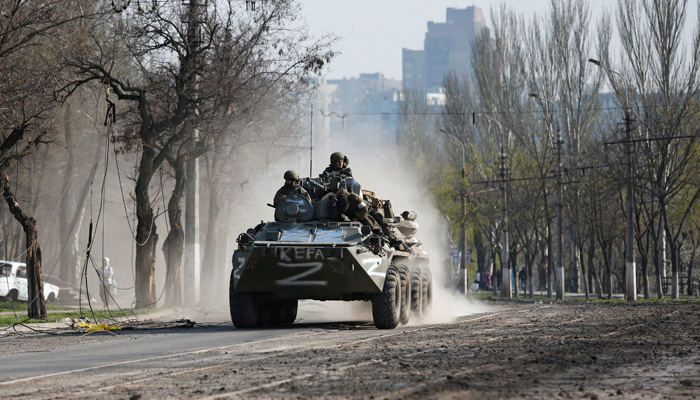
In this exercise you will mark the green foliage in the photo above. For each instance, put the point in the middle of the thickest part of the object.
(11, 319)
(21, 307)
(579, 298)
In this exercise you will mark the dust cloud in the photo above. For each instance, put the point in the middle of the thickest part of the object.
(377, 167)
(384, 170)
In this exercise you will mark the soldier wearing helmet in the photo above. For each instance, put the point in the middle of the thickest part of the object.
(291, 179)
(339, 166)
(351, 207)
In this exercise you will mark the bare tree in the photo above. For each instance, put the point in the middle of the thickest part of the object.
(662, 74)
(167, 60)
(27, 30)
(570, 28)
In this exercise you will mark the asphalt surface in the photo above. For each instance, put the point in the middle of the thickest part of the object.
(501, 350)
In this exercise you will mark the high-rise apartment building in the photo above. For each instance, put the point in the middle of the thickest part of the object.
(367, 107)
(447, 47)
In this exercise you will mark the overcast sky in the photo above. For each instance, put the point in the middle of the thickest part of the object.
(373, 32)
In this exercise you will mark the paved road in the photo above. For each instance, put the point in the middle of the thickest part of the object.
(75, 352)
(65, 352)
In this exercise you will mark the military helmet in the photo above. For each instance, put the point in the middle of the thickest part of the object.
(291, 175)
(337, 156)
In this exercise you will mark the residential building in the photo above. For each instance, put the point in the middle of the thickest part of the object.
(447, 47)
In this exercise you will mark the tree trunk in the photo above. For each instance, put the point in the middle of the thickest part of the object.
(513, 269)
(574, 285)
(542, 268)
(608, 269)
(549, 261)
(529, 285)
(674, 269)
(596, 281)
(174, 244)
(36, 308)
(146, 234)
(690, 269)
(645, 276)
(68, 266)
(212, 265)
(583, 273)
(661, 259)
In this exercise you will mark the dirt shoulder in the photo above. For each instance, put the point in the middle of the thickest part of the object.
(579, 350)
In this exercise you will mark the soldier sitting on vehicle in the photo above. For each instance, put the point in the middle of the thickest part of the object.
(375, 205)
(338, 166)
(291, 179)
(350, 206)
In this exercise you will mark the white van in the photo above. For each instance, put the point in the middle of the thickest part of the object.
(13, 282)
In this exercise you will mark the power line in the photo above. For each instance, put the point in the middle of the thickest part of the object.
(473, 114)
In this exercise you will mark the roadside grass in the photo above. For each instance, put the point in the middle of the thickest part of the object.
(581, 298)
(22, 306)
(21, 317)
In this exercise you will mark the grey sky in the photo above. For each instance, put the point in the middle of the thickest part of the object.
(373, 32)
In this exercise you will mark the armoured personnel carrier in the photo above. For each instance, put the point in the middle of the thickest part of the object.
(303, 254)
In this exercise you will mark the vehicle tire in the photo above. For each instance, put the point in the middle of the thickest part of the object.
(416, 291)
(427, 291)
(12, 296)
(405, 312)
(244, 308)
(51, 298)
(290, 311)
(267, 312)
(275, 310)
(387, 304)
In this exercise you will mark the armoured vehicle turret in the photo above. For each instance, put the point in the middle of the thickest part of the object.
(304, 254)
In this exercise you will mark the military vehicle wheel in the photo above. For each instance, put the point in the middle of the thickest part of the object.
(245, 309)
(290, 311)
(387, 304)
(405, 311)
(416, 290)
(427, 290)
(272, 312)
(268, 313)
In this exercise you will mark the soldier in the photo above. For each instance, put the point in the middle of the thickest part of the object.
(339, 166)
(291, 178)
(350, 206)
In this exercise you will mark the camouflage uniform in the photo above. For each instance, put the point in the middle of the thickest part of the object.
(351, 206)
(331, 169)
(292, 188)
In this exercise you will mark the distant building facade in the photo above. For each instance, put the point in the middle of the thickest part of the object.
(365, 106)
(447, 47)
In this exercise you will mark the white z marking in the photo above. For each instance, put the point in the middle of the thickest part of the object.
(237, 271)
(376, 265)
(294, 279)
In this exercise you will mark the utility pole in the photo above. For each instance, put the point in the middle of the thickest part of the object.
(192, 267)
(463, 281)
(631, 274)
(559, 272)
(506, 287)
(560, 232)
(631, 282)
